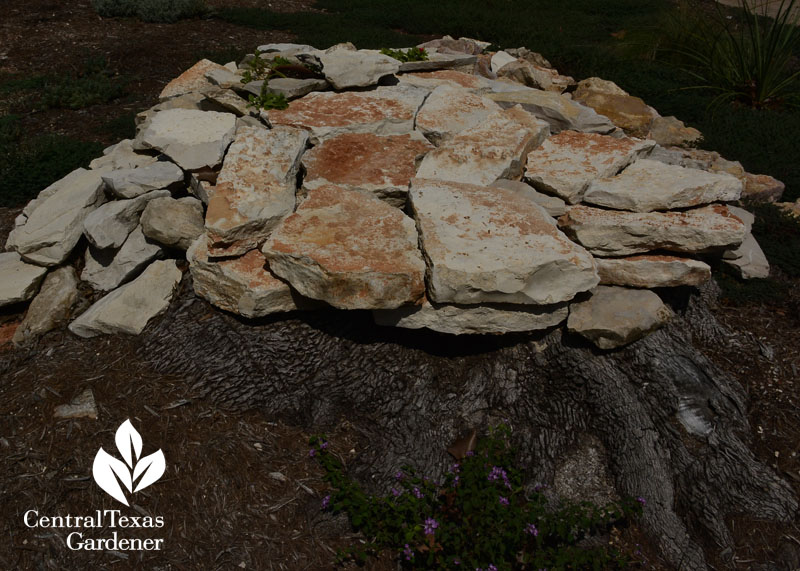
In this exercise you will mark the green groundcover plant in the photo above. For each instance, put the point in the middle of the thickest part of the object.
(478, 517)
(411, 54)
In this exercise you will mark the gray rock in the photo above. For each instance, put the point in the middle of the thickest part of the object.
(491, 245)
(193, 139)
(133, 182)
(19, 281)
(110, 224)
(552, 204)
(121, 156)
(748, 259)
(289, 87)
(648, 185)
(437, 60)
(53, 222)
(228, 99)
(613, 316)
(82, 406)
(652, 271)
(224, 78)
(105, 270)
(129, 308)
(345, 69)
(469, 319)
(51, 307)
(173, 223)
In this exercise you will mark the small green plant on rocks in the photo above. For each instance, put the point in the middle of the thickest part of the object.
(264, 70)
(411, 54)
(479, 517)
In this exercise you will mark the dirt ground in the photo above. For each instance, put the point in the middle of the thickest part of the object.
(241, 492)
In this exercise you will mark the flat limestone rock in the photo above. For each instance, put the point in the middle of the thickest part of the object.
(19, 281)
(493, 149)
(121, 156)
(256, 186)
(615, 316)
(242, 285)
(383, 111)
(437, 60)
(552, 204)
(470, 319)
(762, 188)
(109, 225)
(133, 182)
(614, 233)
(382, 165)
(652, 271)
(228, 99)
(492, 245)
(451, 77)
(627, 112)
(54, 221)
(51, 306)
(748, 259)
(292, 88)
(173, 223)
(349, 249)
(652, 185)
(192, 138)
(560, 112)
(104, 270)
(670, 131)
(449, 110)
(193, 79)
(566, 163)
(345, 69)
(130, 308)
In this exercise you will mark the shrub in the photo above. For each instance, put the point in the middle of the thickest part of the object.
(164, 11)
(479, 517)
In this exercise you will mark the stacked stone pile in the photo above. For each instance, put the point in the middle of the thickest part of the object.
(469, 193)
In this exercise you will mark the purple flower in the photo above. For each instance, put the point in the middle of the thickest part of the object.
(396, 492)
(491, 567)
(456, 480)
(312, 453)
(456, 562)
(470, 453)
(408, 552)
(399, 475)
(430, 525)
(325, 502)
(417, 494)
(641, 500)
(503, 501)
(324, 445)
(455, 468)
(530, 529)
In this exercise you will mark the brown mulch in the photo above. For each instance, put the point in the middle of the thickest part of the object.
(241, 491)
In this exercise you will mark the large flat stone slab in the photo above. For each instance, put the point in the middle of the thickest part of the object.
(566, 163)
(104, 270)
(193, 139)
(109, 225)
(652, 271)
(492, 245)
(382, 111)
(627, 112)
(52, 224)
(19, 280)
(560, 112)
(256, 186)
(382, 165)
(472, 319)
(748, 259)
(133, 182)
(130, 308)
(552, 204)
(121, 156)
(453, 78)
(615, 316)
(493, 149)
(242, 285)
(345, 69)
(349, 249)
(449, 110)
(652, 185)
(438, 60)
(51, 306)
(616, 233)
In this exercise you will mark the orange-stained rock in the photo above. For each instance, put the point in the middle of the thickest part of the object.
(433, 79)
(383, 111)
(193, 79)
(493, 245)
(350, 249)
(566, 163)
(615, 233)
(255, 188)
(627, 112)
(242, 285)
(762, 188)
(363, 161)
(448, 110)
(652, 271)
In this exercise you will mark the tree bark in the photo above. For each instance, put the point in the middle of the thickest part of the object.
(673, 425)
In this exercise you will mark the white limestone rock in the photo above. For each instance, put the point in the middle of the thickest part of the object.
(173, 223)
(492, 245)
(51, 306)
(191, 80)
(193, 139)
(121, 156)
(553, 205)
(652, 185)
(19, 281)
(748, 259)
(448, 110)
(130, 183)
(104, 270)
(613, 316)
(559, 111)
(130, 308)
(345, 69)
(652, 271)
(53, 222)
(501, 59)
(110, 224)
(493, 149)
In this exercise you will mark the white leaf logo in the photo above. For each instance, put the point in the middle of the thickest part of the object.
(109, 472)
